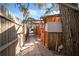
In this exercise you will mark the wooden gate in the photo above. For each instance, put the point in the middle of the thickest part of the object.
(53, 32)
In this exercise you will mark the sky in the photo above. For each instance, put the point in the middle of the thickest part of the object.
(34, 12)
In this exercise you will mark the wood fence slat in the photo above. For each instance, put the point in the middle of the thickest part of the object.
(3, 31)
(0, 27)
(0, 31)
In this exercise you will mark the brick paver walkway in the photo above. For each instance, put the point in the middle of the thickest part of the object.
(34, 47)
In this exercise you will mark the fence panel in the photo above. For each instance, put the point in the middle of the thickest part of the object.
(10, 30)
(70, 22)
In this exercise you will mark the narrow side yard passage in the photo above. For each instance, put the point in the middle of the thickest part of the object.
(34, 47)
